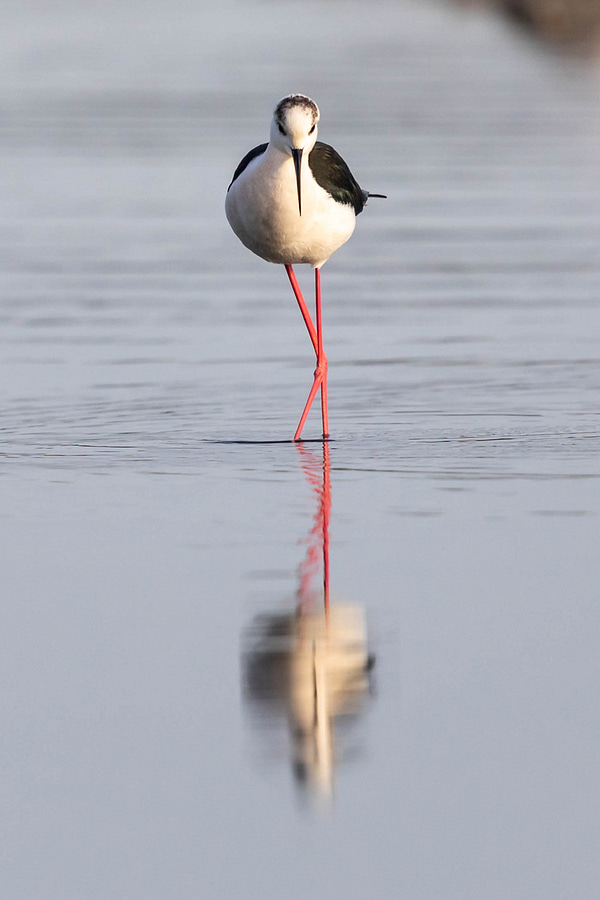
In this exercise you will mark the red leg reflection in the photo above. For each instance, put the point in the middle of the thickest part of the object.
(312, 664)
(326, 510)
(318, 538)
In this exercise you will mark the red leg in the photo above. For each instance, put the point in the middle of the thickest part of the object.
(303, 308)
(309, 402)
(316, 336)
(321, 358)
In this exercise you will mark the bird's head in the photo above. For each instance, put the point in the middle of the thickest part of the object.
(294, 130)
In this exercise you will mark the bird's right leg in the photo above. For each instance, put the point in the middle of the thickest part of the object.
(321, 358)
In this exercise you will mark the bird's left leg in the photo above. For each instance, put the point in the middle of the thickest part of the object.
(320, 376)
(302, 304)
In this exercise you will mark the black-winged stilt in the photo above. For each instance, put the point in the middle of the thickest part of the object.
(294, 200)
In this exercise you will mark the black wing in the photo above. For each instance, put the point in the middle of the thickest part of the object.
(333, 175)
(257, 151)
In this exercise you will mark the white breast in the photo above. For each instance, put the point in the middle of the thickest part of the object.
(262, 209)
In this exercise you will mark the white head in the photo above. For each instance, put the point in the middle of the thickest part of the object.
(294, 125)
(294, 130)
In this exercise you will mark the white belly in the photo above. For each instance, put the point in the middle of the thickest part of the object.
(262, 209)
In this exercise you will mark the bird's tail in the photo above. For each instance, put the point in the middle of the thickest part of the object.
(366, 196)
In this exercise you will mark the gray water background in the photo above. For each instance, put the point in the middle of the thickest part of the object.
(462, 328)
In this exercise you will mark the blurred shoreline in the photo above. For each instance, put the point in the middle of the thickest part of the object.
(572, 25)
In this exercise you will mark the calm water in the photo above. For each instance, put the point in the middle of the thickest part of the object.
(147, 558)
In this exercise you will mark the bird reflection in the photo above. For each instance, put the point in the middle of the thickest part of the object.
(311, 665)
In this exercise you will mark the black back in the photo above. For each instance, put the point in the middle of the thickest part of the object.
(252, 154)
(333, 175)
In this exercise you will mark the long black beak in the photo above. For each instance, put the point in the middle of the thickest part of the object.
(297, 154)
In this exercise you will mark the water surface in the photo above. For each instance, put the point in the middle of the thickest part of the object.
(140, 542)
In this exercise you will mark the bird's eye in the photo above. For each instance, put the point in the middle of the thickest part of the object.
(311, 130)
(281, 128)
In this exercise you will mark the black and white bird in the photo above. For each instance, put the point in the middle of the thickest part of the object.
(294, 200)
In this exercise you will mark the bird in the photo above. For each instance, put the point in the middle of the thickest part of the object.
(294, 200)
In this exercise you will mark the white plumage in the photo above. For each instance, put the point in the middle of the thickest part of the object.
(262, 202)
